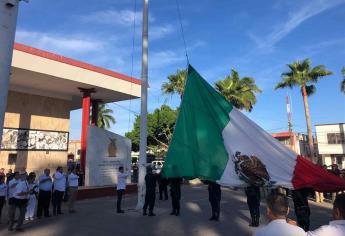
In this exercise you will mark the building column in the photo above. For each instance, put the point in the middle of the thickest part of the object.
(85, 123)
(95, 108)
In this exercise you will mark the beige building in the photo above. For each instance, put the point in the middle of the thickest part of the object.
(331, 143)
(44, 88)
(74, 148)
(298, 143)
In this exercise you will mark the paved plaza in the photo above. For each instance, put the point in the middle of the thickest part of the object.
(98, 217)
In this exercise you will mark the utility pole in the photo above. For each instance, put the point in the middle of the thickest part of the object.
(143, 114)
(288, 109)
(8, 22)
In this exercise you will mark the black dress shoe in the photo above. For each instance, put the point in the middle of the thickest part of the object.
(212, 218)
(60, 213)
(173, 213)
(144, 213)
(152, 214)
(19, 230)
(120, 211)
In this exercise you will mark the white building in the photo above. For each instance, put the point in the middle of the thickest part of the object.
(331, 143)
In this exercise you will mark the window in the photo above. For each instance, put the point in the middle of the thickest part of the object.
(335, 138)
(12, 158)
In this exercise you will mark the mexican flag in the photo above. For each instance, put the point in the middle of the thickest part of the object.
(215, 141)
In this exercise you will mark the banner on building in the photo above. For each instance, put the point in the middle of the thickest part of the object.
(105, 153)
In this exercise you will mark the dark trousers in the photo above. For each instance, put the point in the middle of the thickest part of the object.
(21, 205)
(163, 188)
(57, 200)
(254, 207)
(120, 193)
(302, 215)
(2, 203)
(175, 204)
(150, 198)
(43, 203)
(215, 205)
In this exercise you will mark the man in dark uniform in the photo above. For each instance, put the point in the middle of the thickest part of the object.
(163, 187)
(175, 193)
(214, 196)
(302, 210)
(150, 196)
(253, 201)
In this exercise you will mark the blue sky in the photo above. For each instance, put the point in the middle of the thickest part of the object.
(257, 38)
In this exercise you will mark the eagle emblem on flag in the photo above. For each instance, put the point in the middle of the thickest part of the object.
(251, 170)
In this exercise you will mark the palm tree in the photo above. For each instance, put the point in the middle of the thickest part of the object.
(176, 83)
(105, 117)
(342, 85)
(239, 91)
(302, 75)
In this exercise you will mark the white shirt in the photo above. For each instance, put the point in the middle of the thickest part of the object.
(121, 180)
(22, 186)
(46, 185)
(59, 182)
(3, 190)
(335, 228)
(73, 180)
(34, 188)
(11, 187)
(279, 228)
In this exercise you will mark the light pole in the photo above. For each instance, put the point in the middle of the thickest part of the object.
(8, 21)
(143, 114)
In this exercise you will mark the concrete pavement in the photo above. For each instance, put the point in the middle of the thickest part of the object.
(98, 217)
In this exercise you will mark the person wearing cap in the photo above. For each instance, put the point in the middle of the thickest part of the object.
(21, 197)
(59, 190)
(45, 193)
(121, 187)
(72, 189)
(3, 194)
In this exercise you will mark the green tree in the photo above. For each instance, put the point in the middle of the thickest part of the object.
(302, 75)
(241, 92)
(160, 125)
(342, 85)
(105, 117)
(175, 83)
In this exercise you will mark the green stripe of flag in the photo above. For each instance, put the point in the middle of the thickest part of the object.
(197, 148)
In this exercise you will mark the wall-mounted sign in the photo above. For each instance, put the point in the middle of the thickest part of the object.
(34, 140)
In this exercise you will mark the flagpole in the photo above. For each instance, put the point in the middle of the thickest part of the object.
(143, 115)
(8, 21)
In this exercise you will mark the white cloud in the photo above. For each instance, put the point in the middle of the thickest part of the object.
(295, 19)
(165, 58)
(157, 32)
(115, 17)
(58, 43)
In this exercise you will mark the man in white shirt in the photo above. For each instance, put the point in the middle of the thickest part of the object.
(277, 211)
(337, 226)
(59, 190)
(121, 187)
(72, 189)
(12, 187)
(45, 193)
(21, 196)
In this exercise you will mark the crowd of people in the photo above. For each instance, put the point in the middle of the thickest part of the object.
(277, 206)
(32, 197)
